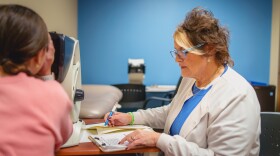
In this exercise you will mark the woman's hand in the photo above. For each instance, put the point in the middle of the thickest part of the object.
(140, 138)
(46, 68)
(118, 119)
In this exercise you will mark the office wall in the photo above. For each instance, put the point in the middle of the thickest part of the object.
(59, 15)
(111, 31)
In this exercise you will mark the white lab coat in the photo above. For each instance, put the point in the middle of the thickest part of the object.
(225, 122)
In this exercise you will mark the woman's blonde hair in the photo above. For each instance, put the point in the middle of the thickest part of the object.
(181, 38)
(200, 26)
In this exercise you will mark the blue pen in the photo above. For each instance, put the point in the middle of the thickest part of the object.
(107, 120)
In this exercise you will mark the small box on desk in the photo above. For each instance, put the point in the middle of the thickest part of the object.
(266, 96)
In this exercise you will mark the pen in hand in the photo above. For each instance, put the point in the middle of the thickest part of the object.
(107, 120)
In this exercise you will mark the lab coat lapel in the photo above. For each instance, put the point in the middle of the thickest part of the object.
(194, 118)
(176, 108)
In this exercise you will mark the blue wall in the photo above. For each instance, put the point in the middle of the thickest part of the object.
(111, 31)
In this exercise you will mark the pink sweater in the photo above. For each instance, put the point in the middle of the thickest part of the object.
(34, 116)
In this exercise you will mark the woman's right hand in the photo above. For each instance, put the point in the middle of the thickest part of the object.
(118, 119)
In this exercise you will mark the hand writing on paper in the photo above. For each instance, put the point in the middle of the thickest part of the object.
(118, 119)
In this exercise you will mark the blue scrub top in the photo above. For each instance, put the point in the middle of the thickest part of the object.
(188, 107)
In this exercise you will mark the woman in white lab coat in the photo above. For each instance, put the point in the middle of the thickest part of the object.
(215, 111)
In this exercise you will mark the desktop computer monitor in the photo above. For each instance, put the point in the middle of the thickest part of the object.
(67, 71)
(266, 97)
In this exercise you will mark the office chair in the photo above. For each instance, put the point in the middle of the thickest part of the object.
(171, 94)
(134, 97)
(166, 98)
(270, 134)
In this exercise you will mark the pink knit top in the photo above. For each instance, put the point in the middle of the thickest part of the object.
(34, 116)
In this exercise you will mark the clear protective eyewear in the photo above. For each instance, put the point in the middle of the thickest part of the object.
(183, 53)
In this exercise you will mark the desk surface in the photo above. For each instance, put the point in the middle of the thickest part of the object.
(90, 148)
(160, 88)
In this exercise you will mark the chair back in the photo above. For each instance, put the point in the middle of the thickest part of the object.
(134, 96)
(270, 134)
(132, 92)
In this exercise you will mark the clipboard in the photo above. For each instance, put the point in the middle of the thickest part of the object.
(110, 142)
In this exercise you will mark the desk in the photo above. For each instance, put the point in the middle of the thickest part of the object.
(161, 91)
(160, 88)
(90, 148)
